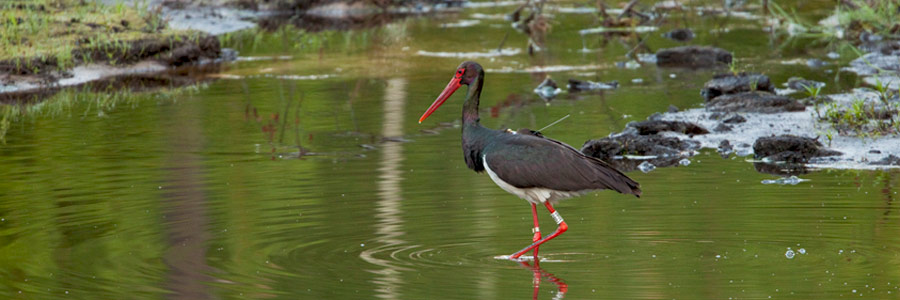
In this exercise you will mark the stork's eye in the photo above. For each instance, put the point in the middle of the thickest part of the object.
(459, 72)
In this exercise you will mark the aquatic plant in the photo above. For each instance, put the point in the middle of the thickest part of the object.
(862, 118)
(812, 90)
(878, 17)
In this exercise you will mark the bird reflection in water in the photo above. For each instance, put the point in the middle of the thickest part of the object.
(539, 274)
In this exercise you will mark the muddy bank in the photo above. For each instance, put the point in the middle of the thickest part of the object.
(81, 42)
(141, 57)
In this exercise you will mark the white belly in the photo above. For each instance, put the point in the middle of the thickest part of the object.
(534, 195)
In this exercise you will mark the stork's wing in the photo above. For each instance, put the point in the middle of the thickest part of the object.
(527, 161)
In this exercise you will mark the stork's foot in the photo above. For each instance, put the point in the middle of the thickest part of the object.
(559, 230)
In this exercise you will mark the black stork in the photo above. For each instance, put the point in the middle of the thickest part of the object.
(528, 165)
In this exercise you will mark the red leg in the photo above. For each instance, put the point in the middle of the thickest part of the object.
(559, 230)
(536, 230)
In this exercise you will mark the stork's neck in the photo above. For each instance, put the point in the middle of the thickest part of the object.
(470, 108)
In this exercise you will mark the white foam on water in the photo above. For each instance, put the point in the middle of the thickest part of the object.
(602, 29)
(461, 24)
(491, 4)
(546, 69)
(494, 53)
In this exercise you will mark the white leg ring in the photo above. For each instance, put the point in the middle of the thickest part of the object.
(557, 217)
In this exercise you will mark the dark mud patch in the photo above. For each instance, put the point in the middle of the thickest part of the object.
(890, 160)
(781, 169)
(657, 126)
(175, 51)
(693, 57)
(680, 35)
(760, 102)
(659, 150)
(790, 148)
(729, 83)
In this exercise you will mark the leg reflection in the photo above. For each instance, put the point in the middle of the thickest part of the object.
(561, 287)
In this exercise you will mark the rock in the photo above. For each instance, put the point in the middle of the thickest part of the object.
(815, 63)
(760, 102)
(800, 84)
(890, 160)
(191, 53)
(875, 151)
(725, 148)
(657, 126)
(681, 35)
(728, 83)
(722, 128)
(547, 89)
(576, 85)
(672, 108)
(632, 144)
(874, 63)
(790, 148)
(228, 54)
(781, 169)
(646, 167)
(692, 57)
(736, 119)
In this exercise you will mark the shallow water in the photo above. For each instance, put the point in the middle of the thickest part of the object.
(199, 193)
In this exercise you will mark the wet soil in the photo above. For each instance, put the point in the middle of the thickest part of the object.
(693, 57)
(174, 51)
(657, 126)
(729, 83)
(170, 52)
(790, 148)
(761, 102)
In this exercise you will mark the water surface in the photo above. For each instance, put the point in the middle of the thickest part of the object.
(301, 172)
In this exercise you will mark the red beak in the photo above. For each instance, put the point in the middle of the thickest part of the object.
(451, 87)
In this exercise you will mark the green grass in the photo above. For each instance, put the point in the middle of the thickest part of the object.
(879, 17)
(863, 119)
(37, 33)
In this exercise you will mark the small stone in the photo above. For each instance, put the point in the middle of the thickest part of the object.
(722, 128)
(646, 167)
(672, 108)
(736, 119)
(681, 35)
